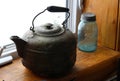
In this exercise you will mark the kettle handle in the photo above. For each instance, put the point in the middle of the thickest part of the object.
(57, 9)
(52, 9)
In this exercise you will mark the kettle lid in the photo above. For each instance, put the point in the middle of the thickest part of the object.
(49, 29)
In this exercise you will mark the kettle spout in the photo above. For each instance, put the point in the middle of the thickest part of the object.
(20, 44)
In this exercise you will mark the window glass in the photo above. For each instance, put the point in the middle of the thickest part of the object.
(16, 16)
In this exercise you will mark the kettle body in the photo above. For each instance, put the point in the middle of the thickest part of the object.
(47, 55)
(49, 50)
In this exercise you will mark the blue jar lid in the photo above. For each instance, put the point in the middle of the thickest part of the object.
(88, 16)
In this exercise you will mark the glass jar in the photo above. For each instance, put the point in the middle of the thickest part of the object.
(87, 32)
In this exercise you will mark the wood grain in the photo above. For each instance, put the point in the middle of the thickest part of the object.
(107, 13)
(118, 30)
(119, 27)
(94, 66)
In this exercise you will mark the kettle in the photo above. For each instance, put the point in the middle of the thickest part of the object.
(49, 49)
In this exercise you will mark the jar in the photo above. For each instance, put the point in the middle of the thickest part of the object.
(87, 32)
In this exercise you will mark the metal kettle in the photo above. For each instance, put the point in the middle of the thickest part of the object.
(48, 50)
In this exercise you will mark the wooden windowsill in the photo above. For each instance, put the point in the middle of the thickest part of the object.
(94, 66)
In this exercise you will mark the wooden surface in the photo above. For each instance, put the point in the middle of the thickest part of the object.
(107, 15)
(94, 66)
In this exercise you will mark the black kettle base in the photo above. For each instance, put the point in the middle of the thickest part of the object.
(47, 74)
